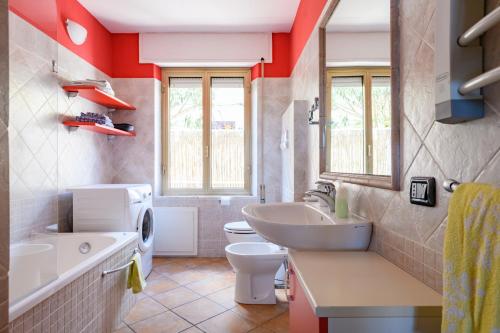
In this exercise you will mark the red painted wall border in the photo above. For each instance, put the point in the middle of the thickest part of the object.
(117, 55)
(287, 47)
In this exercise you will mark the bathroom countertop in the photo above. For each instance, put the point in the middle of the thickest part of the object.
(361, 284)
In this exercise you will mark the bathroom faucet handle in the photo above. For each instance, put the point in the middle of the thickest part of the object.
(328, 187)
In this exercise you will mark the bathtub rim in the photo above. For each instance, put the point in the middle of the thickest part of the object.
(122, 240)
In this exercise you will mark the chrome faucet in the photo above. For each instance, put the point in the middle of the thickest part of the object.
(326, 191)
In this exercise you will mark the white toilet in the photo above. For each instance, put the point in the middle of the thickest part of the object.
(255, 264)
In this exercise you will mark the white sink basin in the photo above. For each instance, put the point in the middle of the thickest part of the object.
(303, 226)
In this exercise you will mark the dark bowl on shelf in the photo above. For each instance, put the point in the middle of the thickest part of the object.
(125, 127)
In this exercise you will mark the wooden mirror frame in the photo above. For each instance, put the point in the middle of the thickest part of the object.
(391, 182)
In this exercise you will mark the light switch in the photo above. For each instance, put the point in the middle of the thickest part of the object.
(423, 191)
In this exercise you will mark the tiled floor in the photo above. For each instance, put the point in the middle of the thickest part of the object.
(196, 295)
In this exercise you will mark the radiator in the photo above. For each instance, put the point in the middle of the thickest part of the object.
(176, 231)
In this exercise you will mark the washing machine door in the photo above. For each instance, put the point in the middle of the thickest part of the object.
(145, 228)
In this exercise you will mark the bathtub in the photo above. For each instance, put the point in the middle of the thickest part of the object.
(46, 263)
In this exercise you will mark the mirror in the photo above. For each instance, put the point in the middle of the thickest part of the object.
(359, 87)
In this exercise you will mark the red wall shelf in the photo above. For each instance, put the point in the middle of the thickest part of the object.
(94, 127)
(98, 96)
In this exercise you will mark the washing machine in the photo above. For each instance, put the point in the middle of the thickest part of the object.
(114, 208)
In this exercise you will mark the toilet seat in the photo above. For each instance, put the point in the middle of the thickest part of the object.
(240, 227)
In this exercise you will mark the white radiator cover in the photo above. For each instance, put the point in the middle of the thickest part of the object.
(176, 231)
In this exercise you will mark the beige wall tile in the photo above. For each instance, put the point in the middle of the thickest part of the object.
(4, 165)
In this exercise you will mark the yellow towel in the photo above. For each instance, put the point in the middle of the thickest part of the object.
(471, 276)
(136, 280)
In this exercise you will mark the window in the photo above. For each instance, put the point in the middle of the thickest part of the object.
(359, 118)
(206, 131)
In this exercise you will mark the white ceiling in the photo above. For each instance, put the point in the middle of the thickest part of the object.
(194, 15)
(361, 16)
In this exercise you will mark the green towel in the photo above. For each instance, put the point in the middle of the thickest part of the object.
(136, 280)
(472, 261)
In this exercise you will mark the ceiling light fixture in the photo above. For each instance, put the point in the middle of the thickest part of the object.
(77, 33)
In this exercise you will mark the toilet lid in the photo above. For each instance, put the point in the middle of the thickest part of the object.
(240, 227)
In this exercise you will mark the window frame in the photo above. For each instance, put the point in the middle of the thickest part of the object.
(366, 73)
(206, 74)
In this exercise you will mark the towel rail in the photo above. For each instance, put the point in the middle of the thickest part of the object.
(480, 27)
(480, 81)
(450, 185)
(104, 273)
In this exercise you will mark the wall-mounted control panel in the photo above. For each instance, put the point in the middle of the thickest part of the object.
(455, 65)
(423, 191)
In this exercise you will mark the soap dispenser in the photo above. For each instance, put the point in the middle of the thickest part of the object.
(341, 208)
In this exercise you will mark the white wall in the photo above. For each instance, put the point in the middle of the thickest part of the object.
(358, 49)
(205, 49)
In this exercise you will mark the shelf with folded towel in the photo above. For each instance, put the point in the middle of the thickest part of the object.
(94, 94)
(98, 128)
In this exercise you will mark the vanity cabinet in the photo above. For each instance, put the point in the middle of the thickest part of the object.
(357, 292)
(302, 317)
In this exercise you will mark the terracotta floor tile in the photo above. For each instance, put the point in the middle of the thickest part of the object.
(176, 297)
(210, 285)
(159, 286)
(259, 313)
(198, 311)
(124, 329)
(143, 309)
(140, 296)
(260, 330)
(191, 261)
(171, 268)
(278, 324)
(228, 322)
(166, 322)
(193, 329)
(215, 267)
(175, 284)
(224, 297)
(160, 260)
(154, 276)
(189, 276)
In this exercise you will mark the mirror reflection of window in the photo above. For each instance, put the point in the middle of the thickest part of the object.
(381, 124)
(359, 121)
(347, 123)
